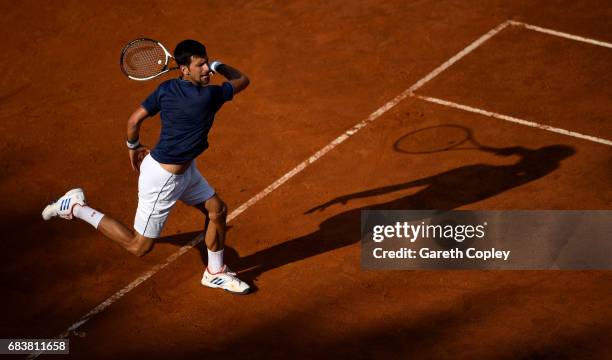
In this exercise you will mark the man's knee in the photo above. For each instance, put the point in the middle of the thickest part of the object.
(218, 217)
(217, 211)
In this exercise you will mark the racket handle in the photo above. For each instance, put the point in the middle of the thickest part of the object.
(505, 151)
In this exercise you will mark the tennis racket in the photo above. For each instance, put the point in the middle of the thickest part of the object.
(439, 138)
(145, 59)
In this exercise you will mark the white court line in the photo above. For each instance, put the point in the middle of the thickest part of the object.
(562, 34)
(459, 55)
(513, 119)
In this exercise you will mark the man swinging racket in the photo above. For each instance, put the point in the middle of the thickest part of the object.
(187, 107)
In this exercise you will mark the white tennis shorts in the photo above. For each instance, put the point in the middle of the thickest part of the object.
(158, 191)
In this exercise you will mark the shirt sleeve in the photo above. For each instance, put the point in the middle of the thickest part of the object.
(227, 91)
(221, 94)
(151, 103)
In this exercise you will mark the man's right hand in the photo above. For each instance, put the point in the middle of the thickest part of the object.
(136, 157)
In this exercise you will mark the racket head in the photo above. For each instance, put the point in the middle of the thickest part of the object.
(434, 139)
(144, 59)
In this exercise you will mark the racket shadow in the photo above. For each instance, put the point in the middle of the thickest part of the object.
(438, 138)
(445, 191)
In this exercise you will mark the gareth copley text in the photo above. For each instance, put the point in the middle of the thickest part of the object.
(412, 232)
(426, 253)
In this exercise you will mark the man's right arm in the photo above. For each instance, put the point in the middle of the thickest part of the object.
(136, 151)
(134, 122)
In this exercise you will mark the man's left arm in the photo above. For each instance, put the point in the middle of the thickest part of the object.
(234, 76)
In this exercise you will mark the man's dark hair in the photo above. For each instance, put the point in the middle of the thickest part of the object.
(186, 49)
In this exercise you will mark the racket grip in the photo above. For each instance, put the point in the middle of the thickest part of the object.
(215, 65)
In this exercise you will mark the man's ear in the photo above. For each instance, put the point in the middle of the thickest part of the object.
(184, 70)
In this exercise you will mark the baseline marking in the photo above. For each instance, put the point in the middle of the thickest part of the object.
(513, 119)
(510, 118)
(562, 34)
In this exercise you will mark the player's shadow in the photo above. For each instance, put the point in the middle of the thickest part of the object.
(445, 191)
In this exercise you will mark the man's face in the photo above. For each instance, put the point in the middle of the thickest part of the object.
(198, 71)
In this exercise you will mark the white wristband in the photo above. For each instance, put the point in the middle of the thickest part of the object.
(133, 145)
(215, 65)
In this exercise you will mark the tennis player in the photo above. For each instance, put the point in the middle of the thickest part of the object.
(187, 107)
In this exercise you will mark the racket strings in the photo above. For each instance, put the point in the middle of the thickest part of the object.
(143, 59)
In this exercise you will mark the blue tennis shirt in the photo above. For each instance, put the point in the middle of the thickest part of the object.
(187, 113)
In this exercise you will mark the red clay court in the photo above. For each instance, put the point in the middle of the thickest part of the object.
(334, 86)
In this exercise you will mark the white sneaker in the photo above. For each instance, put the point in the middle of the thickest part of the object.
(226, 280)
(63, 206)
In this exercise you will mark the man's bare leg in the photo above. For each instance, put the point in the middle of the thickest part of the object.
(215, 211)
(217, 275)
(72, 204)
(132, 241)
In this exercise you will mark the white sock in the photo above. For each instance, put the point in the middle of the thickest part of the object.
(85, 213)
(215, 261)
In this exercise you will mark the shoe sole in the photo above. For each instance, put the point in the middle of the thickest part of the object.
(213, 286)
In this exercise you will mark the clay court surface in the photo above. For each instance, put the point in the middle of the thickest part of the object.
(317, 69)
